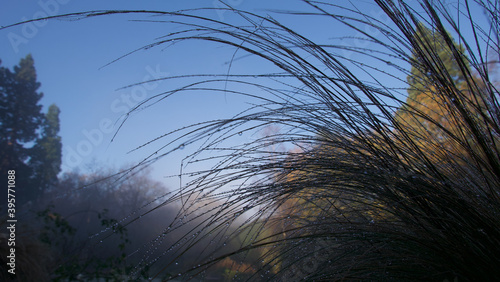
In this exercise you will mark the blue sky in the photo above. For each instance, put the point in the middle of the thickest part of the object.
(69, 56)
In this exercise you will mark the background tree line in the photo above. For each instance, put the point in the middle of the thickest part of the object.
(64, 217)
(59, 212)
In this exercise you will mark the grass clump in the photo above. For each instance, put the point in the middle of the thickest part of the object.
(384, 183)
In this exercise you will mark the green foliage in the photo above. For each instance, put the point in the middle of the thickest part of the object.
(93, 212)
(432, 54)
(21, 123)
(440, 75)
(56, 229)
(117, 228)
(47, 152)
(73, 264)
(20, 112)
(20, 118)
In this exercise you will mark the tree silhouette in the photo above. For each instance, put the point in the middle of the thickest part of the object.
(20, 118)
(46, 154)
(30, 141)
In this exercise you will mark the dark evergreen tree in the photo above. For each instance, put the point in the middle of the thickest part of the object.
(46, 156)
(20, 119)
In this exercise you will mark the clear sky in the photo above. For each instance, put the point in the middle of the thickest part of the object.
(69, 55)
(68, 58)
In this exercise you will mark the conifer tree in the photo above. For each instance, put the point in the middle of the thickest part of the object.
(441, 83)
(20, 118)
(433, 63)
(46, 159)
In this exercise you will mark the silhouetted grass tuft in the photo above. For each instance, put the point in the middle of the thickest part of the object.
(377, 187)
(371, 194)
